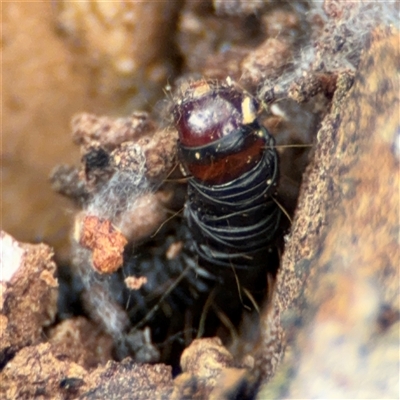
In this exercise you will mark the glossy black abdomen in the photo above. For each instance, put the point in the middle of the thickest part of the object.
(235, 223)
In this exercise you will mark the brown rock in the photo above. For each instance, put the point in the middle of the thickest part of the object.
(36, 373)
(28, 294)
(105, 241)
(127, 380)
(81, 341)
(205, 358)
(203, 364)
(267, 61)
(91, 130)
(337, 292)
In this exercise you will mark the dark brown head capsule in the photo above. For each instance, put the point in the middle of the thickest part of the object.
(233, 171)
(219, 138)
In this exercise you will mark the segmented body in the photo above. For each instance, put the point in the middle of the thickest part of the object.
(233, 172)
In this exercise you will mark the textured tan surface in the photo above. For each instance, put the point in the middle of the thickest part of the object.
(203, 365)
(127, 380)
(28, 294)
(81, 341)
(35, 373)
(60, 58)
(338, 279)
(338, 289)
(105, 241)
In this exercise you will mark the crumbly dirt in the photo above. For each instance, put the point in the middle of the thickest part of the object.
(331, 326)
(28, 295)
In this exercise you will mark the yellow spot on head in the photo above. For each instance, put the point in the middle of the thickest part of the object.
(248, 111)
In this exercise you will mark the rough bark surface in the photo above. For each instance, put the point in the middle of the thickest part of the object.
(337, 297)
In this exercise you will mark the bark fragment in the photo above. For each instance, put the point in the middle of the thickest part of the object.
(340, 269)
(29, 291)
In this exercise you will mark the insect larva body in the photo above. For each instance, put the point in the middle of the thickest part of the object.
(233, 171)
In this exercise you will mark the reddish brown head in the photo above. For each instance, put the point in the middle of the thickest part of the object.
(219, 136)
